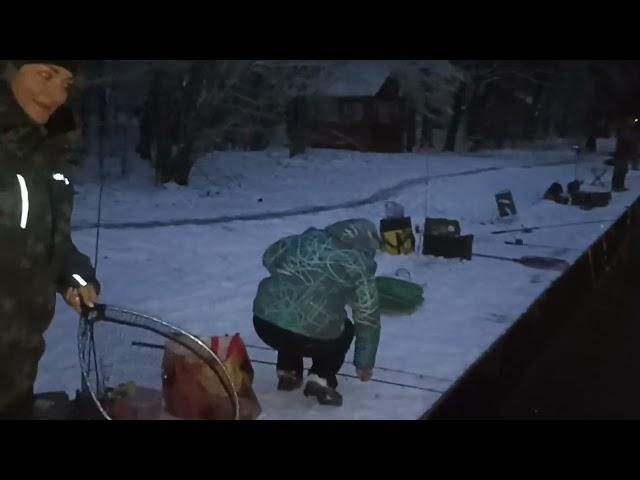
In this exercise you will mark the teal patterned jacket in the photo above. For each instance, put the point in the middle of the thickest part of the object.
(315, 275)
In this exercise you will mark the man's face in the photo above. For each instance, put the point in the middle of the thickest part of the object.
(41, 89)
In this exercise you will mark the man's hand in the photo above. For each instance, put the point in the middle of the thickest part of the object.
(77, 297)
(364, 375)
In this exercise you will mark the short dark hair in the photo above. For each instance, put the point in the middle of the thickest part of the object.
(71, 65)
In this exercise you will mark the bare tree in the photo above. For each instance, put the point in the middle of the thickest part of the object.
(429, 86)
(217, 102)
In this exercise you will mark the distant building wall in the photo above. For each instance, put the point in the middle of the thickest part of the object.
(364, 123)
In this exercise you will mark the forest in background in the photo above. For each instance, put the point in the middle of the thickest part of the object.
(172, 112)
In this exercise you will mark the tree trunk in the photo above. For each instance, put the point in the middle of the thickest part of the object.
(458, 102)
(187, 124)
(183, 161)
(297, 121)
(144, 142)
(411, 130)
(426, 132)
(532, 128)
(124, 146)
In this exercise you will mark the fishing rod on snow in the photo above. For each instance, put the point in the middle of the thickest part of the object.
(540, 263)
(520, 243)
(155, 346)
(383, 369)
(266, 362)
(375, 380)
(559, 225)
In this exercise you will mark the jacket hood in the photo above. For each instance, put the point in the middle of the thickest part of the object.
(359, 233)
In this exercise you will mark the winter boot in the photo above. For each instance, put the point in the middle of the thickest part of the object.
(289, 380)
(317, 387)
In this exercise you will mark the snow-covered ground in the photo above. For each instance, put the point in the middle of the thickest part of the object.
(202, 273)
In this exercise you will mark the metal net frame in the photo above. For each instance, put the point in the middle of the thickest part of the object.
(93, 369)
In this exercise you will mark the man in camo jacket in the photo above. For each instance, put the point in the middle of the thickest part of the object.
(37, 255)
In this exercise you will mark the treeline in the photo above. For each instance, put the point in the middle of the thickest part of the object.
(184, 108)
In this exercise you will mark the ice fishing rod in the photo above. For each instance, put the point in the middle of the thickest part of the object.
(269, 349)
(99, 218)
(85, 328)
(395, 384)
(531, 229)
(540, 263)
(538, 245)
(265, 362)
(384, 369)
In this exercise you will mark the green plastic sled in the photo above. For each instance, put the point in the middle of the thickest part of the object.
(397, 295)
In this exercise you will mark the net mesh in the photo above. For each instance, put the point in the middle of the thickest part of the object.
(121, 350)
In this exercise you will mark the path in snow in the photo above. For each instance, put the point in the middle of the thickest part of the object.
(378, 196)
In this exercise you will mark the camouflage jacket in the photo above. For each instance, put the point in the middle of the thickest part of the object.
(315, 275)
(37, 255)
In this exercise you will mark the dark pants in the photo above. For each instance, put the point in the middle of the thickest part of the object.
(617, 182)
(328, 355)
(18, 372)
(620, 169)
(19, 409)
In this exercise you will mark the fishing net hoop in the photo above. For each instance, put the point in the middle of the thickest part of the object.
(87, 354)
